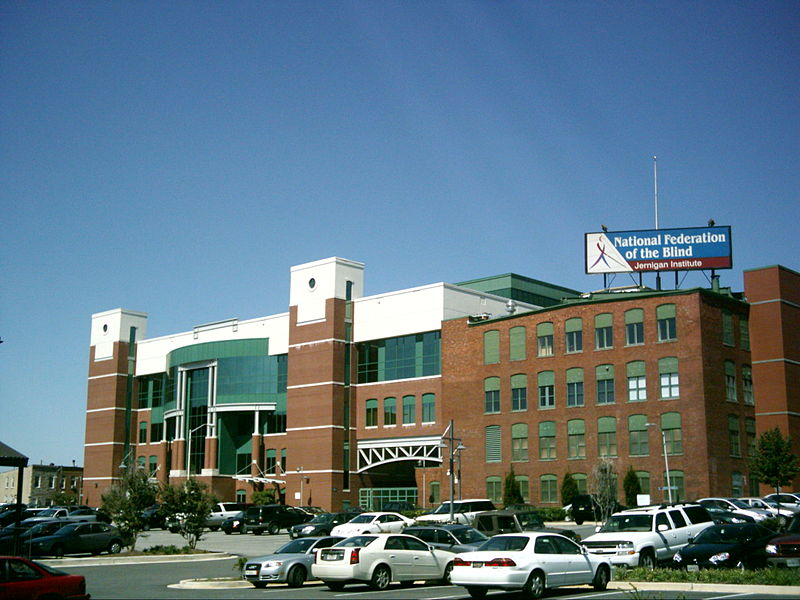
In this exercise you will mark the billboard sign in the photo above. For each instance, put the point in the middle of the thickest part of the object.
(658, 250)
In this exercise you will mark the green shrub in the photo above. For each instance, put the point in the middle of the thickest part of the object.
(171, 549)
(552, 513)
(770, 576)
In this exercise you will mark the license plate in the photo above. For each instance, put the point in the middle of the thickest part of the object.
(477, 565)
(692, 568)
(332, 557)
(793, 562)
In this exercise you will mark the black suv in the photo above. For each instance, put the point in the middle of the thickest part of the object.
(586, 508)
(272, 518)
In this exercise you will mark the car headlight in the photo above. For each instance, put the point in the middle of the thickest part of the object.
(772, 549)
(236, 523)
(677, 557)
(625, 545)
(721, 557)
(272, 564)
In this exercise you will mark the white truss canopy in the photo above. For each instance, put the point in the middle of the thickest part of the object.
(373, 453)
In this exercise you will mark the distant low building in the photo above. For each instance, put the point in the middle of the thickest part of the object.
(41, 484)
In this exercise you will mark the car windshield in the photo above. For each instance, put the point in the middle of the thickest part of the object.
(794, 526)
(738, 503)
(468, 535)
(365, 518)
(445, 508)
(357, 541)
(50, 512)
(529, 520)
(67, 529)
(724, 534)
(628, 523)
(296, 546)
(322, 518)
(508, 543)
(46, 527)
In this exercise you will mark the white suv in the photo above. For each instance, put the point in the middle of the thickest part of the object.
(464, 511)
(645, 536)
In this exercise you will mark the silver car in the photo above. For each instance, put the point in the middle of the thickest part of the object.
(291, 563)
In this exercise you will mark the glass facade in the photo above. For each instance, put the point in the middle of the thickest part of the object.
(402, 357)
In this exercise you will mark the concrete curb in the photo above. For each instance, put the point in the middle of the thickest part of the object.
(95, 561)
(211, 584)
(779, 590)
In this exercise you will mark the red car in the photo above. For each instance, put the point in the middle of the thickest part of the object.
(23, 579)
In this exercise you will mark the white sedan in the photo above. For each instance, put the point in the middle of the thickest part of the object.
(529, 562)
(377, 559)
(373, 522)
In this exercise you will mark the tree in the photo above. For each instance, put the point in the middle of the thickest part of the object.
(603, 485)
(65, 498)
(774, 462)
(190, 505)
(126, 500)
(631, 486)
(263, 497)
(569, 489)
(511, 492)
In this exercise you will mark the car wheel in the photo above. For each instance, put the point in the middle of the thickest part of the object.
(447, 571)
(296, 576)
(534, 587)
(227, 531)
(58, 551)
(647, 560)
(381, 578)
(146, 527)
(478, 593)
(336, 586)
(601, 578)
(578, 521)
(115, 547)
(274, 528)
(214, 528)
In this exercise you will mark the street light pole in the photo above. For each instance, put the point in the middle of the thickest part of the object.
(666, 459)
(302, 477)
(451, 445)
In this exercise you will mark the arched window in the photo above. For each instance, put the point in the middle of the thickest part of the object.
(493, 443)
(519, 392)
(390, 411)
(494, 489)
(516, 343)
(491, 395)
(519, 442)
(371, 416)
(491, 347)
(607, 436)
(548, 487)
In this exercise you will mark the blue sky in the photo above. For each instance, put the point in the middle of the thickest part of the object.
(178, 158)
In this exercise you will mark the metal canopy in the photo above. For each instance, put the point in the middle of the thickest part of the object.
(372, 453)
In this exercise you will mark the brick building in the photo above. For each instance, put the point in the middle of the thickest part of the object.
(343, 399)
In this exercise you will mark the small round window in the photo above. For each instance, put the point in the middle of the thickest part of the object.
(105, 328)
(312, 283)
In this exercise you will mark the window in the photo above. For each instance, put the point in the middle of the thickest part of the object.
(605, 384)
(671, 428)
(409, 410)
(639, 443)
(575, 387)
(750, 436)
(516, 343)
(544, 339)
(390, 411)
(492, 443)
(548, 487)
(156, 432)
(747, 385)
(271, 461)
(403, 357)
(153, 465)
(603, 331)
(576, 438)
(581, 481)
(607, 436)
(734, 439)
(494, 489)
(372, 412)
(519, 442)
(737, 484)
(141, 461)
(727, 328)
(634, 327)
(143, 432)
(37, 481)
(668, 376)
(676, 481)
(519, 392)
(665, 318)
(547, 391)
(434, 495)
(547, 440)
(524, 487)
(428, 408)
(283, 460)
(574, 335)
(644, 481)
(744, 334)
(730, 381)
(491, 347)
(637, 383)
(491, 395)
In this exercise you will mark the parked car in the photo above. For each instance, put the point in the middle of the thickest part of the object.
(735, 506)
(291, 563)
(784, 515)
(380, 558)
(321, 524)
(272, 518)
(530, 562)
(221, 511)
(584, 507)
(494, 522)
(720, 516)
(24, 579)
(737, 545)
(647, 535)
(788, 500)
(10, 516)
(312, 510)
(453, 538)
(154, 517)
(234, 524)
(373, 522)
(27, 533)
(71, 513)
(398, 506)
(463, 511)
(784, 550)
(79, 538)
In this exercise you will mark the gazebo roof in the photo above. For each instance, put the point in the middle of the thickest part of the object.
(11, 458)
